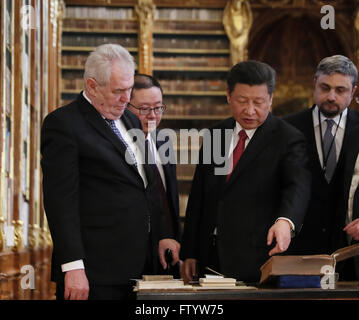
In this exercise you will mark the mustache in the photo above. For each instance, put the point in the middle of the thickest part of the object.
(328, 103)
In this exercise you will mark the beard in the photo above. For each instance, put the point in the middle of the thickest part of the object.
(329, 112)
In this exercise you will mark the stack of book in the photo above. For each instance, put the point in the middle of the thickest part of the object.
(218, 282)
(151, 282)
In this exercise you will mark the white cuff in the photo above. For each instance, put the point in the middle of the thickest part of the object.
(290, 222)
(78, 264)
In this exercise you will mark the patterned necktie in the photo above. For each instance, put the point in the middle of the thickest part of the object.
(112, 125)
(330, 160)
(159, 183)
(237, 152)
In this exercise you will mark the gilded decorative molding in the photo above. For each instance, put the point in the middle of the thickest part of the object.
(48, 239)
(34, 231)
(45, 239)
(2, 234)
(54, 12)
(145, 11)
(18, 235)
(237, 21)
(277, 3)
(325, 2)
(356, 24)
(290, 90)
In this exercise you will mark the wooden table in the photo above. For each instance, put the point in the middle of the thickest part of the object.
(343, 290)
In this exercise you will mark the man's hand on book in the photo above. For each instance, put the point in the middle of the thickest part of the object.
(281, 232)
(189, 270)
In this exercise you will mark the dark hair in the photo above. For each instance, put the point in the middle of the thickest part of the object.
(145, 81)
(253, 73)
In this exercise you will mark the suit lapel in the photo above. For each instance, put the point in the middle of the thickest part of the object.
(308, 130)
(260, 139)
(164, 157)
(352, 122)
(100, 125)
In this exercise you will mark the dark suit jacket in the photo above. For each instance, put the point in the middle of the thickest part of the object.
(316, 236)
(169, 169)
(96, 203)
(349, 159)
(269, 181)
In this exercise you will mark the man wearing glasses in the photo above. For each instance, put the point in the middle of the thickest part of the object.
(147, 104)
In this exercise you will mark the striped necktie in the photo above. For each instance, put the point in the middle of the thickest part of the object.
(330, 161)
(112, 125)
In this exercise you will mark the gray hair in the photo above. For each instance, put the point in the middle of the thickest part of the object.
(99, 62)
(338, 64)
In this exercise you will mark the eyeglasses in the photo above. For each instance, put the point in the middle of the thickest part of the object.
(145, 111)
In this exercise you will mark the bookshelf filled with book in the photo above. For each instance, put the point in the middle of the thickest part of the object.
(190, 56)
(86, 27)
(29, 47)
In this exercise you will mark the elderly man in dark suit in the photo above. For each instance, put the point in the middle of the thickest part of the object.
(326, 126)
(147, 104)
(100, 200)
(232, 219)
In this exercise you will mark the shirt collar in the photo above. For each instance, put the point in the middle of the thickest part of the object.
(86, 97)
(323, 118)
(249, 132)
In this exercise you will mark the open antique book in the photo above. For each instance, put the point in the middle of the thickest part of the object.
(310, 265)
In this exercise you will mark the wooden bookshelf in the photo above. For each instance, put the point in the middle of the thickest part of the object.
(29, 69)
(195, 117)
(89, 49)
(100, 31)
(195, 93)
(192, 51)
(190, 32)
(187, 45)
(191, 69)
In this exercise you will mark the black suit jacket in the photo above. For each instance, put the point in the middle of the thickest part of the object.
(269, 181)
(96, 203)
(166, 152)
(319, 228)
(349, 159)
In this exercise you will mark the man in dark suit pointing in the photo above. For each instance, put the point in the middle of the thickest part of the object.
(235, 221)
(99, 198)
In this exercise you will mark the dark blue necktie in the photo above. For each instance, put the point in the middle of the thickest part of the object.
(112, 125)
(330, 160)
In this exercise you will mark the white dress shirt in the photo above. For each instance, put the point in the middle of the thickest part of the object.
(353, 187)
(157, 158)
(340, 133)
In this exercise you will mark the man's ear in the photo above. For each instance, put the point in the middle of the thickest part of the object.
(270, 99)
(354, 89)
(228, 96)
(91, 86)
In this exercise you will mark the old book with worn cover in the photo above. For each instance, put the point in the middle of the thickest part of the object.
(311, 265)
